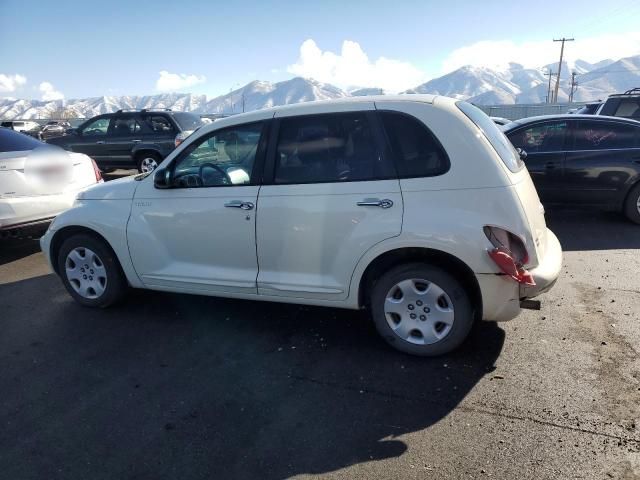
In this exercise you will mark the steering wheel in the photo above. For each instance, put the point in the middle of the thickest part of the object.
(225, 175)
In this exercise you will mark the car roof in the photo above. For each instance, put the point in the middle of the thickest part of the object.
(321, 106)
(567, 116)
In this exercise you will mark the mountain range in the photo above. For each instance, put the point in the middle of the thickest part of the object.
(480, 85)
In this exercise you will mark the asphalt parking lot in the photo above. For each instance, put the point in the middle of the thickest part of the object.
(168, 386)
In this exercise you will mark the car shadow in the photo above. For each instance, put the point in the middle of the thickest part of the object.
(593, 230)
(17, 248)
(180, 386)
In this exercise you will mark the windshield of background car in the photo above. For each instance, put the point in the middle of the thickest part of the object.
(11, 141)
(497, 139)
(187, 121)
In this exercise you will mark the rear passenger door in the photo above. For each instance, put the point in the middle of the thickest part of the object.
(602, 162)
(124, 133)
(329, 194)
(545, 144)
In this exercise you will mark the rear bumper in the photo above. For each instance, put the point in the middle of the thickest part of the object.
(501, 294)
(546, 274)
(18, 212)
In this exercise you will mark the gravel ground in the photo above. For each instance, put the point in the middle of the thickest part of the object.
(175, 386)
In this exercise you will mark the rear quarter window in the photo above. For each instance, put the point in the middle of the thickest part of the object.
(494, 135)
(416, 150)
(187, 121)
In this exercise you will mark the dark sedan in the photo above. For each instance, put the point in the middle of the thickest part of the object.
(582, 160)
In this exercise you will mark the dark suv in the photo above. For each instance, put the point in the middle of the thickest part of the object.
(625, 105)
(129, 139)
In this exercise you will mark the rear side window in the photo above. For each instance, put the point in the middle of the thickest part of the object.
(497, 139)
(159, 124)
(187, 121)
(541, 137)
(325, 148)
(12, 141)
(416, 150)
(605, 135)
(629, 108)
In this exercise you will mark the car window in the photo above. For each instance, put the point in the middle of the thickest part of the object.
(125, 126)
(605, 135)
(328, 148)
(12, 141)
(416, 150)
(187, 121)
(629, 107)
(541, 137)
(159, 124)
(225, 157)
(97, 128)
(494, 135)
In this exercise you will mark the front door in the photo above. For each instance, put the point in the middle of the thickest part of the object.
(332, 196)
(601, 162)
(199, 235)
(91, 139)
(544, 143)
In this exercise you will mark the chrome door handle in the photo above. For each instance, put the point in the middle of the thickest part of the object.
(137, 141)
(384, 203)
(100, 142)
(241, 205)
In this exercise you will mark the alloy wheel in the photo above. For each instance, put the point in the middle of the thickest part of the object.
(148, 164)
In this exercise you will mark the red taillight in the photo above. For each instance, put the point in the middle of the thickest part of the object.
(509, 254)
(96, 171)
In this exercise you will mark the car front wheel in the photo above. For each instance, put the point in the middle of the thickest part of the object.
(90, 271)
(421, 309)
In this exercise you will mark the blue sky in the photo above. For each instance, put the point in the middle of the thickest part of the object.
(79, 49)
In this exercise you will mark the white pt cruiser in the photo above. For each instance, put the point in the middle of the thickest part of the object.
(416, 208)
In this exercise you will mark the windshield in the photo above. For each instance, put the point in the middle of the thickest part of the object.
(187, 121)
(497, 139)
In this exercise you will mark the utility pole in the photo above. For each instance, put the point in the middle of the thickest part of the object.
(548, 99)
(555, 95)
(574, 86)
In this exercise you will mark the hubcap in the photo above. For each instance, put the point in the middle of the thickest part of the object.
(419, 311)
(86, 273)
(148, 165)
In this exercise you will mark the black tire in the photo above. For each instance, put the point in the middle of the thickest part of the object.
(632, 204)
(143, 157)
(115, 286)
(463, 315)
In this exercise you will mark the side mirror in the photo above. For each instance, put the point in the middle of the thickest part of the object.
(522, 153)
(71, 131)
(163, 178)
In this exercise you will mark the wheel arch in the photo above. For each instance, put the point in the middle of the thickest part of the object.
(438, 258)
(66, 232)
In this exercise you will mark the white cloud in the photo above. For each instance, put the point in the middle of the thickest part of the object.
(10, 83)
(352, 67)
(49, 93)
(168, 82)
(498, 53)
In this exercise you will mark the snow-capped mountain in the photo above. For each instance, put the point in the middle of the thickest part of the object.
(517, 84)
(257, 95)
(481, 85)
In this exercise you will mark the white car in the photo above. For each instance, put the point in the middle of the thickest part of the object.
(37, 182)
(414, 207)
(20, 125)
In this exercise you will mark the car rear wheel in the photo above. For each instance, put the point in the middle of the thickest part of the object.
(421, 309)
(90, 271)
(632, 205)
(148, 162)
